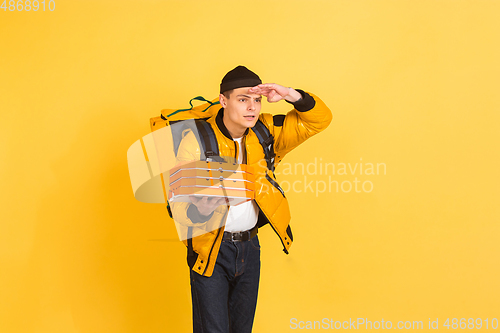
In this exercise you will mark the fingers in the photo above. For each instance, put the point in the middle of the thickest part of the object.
(272, 91)
(199, 201)
(266, 87)
(270, 86)
(209, 204)
(221, 201)
(194, 199)
(208, 201)
(258, 91)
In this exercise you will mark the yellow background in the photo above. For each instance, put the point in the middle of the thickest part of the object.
(412, 84)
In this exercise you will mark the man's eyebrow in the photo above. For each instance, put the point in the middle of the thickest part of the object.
(247, 96)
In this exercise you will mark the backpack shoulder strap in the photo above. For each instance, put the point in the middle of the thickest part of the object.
(266, 140)
(208, 140)
(211, 149)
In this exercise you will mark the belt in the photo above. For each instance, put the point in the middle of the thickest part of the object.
(240, 236)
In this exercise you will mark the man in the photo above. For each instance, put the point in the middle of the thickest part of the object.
(225, 262)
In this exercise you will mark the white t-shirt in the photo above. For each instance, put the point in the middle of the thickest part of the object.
(244, 216)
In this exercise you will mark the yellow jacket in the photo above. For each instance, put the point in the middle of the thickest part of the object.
(288, 131)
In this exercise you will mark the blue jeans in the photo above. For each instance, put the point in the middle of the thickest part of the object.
(225, 302)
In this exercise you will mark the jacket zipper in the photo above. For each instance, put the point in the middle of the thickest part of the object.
(236, 151)
(275, 184)
(217, 237)
(210, 253)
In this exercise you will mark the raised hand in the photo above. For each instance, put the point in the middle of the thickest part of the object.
(275, 92)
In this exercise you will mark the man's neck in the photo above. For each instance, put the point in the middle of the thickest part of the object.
(234, 132)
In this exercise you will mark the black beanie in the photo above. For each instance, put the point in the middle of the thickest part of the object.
(239, 77)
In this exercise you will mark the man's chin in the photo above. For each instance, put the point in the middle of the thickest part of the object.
(251, 122)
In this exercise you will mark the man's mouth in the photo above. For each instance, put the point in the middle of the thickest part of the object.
(249, 117)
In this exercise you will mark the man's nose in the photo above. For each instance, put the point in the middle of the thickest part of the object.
(251, 106)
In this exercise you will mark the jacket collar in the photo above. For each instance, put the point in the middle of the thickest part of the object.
(222, 127)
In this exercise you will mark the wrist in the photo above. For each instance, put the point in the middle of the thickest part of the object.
(305, 103)
(293, 95)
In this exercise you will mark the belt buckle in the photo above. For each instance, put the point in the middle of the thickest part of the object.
(240, 235)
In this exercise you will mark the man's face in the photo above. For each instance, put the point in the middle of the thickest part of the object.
(241, 110)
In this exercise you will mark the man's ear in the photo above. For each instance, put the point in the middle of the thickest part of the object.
(222, 100)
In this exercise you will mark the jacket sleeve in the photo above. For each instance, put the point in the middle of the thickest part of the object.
(309, 117)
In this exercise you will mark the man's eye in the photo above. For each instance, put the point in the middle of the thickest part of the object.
(258, 100)
(242, 100)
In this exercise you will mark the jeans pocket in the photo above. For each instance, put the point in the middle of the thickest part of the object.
(255, 243)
